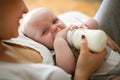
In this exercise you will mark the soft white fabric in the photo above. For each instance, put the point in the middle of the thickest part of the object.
(31, 72)
(72, 17)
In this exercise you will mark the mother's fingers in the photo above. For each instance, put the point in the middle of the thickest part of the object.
(84, 48)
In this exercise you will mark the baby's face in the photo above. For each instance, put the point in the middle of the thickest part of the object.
(49, 24)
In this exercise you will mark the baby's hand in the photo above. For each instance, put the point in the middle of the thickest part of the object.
(112, 44)
(62, 33)
(78, 26)
(72, 27)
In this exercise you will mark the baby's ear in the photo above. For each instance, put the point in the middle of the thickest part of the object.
(112, 44)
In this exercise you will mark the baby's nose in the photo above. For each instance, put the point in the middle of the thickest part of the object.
(54, 28)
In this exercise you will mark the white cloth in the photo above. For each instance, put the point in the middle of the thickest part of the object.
(9, 71)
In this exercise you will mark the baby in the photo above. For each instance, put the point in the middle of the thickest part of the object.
(46, 28)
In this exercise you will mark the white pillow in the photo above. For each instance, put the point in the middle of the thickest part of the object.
(72, 17)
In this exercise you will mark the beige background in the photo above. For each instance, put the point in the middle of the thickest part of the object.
(61, 6)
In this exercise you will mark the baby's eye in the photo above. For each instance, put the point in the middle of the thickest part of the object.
(55, 21)
(45, 31)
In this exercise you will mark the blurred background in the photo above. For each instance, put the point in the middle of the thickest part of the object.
(88, 7)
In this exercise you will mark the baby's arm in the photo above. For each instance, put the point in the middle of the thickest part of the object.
(64, 56)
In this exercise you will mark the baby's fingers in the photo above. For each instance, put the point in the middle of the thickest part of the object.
(73, 27)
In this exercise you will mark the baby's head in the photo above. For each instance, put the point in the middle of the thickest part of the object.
(41, 25)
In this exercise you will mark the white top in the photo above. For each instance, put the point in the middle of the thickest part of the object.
(9, 71)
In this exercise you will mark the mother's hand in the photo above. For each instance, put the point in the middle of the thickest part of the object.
(88, 62)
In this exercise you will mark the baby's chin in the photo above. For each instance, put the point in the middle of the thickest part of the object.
(50, 47)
